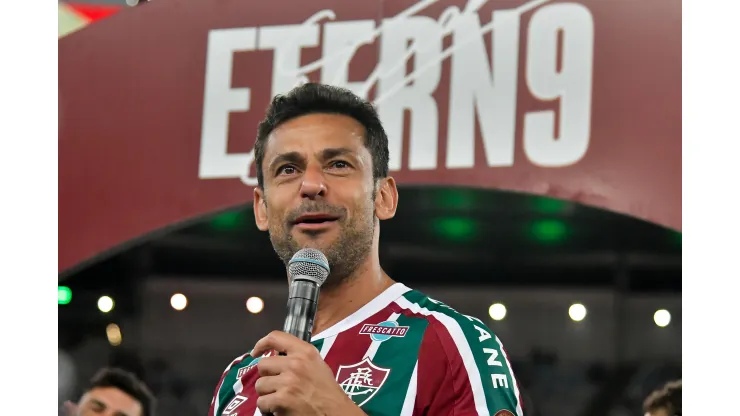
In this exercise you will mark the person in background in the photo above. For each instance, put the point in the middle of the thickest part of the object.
(114, 392)
(665, 401)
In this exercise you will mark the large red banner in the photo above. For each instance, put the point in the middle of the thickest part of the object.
(576, 100)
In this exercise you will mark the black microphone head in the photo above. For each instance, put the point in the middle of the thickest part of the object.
(309, 264)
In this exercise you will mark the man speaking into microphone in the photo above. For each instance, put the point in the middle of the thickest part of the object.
(378, 347)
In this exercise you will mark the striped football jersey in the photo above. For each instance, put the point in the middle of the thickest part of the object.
(401, 354)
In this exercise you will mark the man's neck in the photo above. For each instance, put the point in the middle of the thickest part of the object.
(353, 293)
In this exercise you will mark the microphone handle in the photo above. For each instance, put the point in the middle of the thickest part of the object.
(302, 302)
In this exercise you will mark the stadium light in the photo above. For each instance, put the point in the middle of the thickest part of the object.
(497, 311)
(255, 304)
(178, 301)
(577, 312)
(456, 228)
(662, 318)
(549, 231)
(113, 332)
(105, 304)
(64, 294)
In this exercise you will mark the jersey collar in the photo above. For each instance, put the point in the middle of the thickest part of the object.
(365, 312)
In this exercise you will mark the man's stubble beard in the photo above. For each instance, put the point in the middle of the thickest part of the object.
(345, 254)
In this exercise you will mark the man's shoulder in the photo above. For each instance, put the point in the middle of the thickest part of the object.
(241, 359)
(471, 350)
(224, 389)
(243, 363)
(442, 317)
(425, 306)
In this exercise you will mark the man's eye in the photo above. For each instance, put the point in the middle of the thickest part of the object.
(286, 170)
(339, 164)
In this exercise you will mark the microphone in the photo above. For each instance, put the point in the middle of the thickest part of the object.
(307, 271)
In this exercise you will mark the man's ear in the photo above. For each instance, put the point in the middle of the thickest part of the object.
(260, 209)
(386, 198)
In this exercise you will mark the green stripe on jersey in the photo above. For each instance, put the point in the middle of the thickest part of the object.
(226, 389)
(318, 343)
(496, 378)
(400, 355)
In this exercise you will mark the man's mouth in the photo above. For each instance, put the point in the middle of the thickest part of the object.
(315, 221)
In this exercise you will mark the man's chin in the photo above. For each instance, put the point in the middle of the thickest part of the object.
(321, 242)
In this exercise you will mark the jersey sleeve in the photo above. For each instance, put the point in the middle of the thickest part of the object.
(463, 370)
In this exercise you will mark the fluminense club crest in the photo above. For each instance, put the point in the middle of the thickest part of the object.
(362, 380)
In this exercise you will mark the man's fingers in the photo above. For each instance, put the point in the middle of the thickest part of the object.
(272, 366)
(267, 385)
(272, 403)
(279, 341)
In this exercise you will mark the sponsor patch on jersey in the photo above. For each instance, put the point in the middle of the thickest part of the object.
(384, 330)
(504, 412)
(244, 370)
(237, 401)
(362, 380)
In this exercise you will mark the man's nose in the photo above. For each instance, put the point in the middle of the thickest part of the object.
(313, 184)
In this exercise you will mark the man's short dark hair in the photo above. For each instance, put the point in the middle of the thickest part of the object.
(314, 98)
(668, 397)
(128, 383)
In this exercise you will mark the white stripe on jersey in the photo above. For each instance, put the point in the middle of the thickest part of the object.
(326, 346)
(519, 410)
(373, 349)
(410, 400)
(456, 332)
(238, 386)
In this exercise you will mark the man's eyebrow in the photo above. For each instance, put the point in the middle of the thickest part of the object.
(288, 157)
(98, 403)
(335, 151)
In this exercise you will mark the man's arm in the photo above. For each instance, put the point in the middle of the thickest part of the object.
(464, 370)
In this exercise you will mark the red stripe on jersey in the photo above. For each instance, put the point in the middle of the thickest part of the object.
(213, 400)
(248, 391)
(350, 347)
(440, 389)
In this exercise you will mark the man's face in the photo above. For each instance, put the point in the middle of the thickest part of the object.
(108, 401)
(319, 191)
